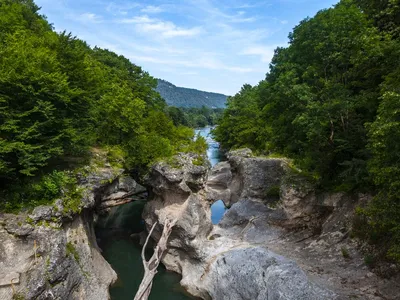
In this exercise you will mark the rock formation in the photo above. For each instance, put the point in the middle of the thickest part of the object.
(245, 177)
(213, 263)
(280, 239)
(52, 252)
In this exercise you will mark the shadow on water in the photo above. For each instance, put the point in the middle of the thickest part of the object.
(124, 255)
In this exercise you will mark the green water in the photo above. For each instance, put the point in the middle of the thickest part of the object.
(124, 255)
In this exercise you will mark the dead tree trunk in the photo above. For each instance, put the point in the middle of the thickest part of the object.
(150, 267)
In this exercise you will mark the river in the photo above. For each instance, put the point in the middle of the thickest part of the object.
(123, 253)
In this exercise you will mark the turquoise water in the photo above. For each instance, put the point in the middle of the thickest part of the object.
(214, 156)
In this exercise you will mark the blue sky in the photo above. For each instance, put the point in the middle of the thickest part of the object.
(209, 45)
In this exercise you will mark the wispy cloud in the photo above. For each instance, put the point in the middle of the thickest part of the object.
(121, 8)
(205, 44)
(87, 18)
(242, 20)
(166, 29)
(203, 63)
(264, 52)
(151, 9)
(137, 19)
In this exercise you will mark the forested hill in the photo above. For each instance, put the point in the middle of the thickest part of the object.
(184, 97)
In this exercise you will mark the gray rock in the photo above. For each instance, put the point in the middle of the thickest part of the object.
(175, 197)
(245, 177)
(18, 228)
(215, 262)
(42, 212)
(255, 273)
(54, 252)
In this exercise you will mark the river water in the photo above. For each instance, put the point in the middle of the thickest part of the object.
(124, 253)
(213, 152)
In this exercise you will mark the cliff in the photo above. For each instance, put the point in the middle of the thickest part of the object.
(52, 253)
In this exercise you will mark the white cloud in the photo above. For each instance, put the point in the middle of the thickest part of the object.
(152, 9)
(166, 29)
(206, 62)
(265, 52)
(242, 20)
(121, 9)
(137, 19)
(87, 18)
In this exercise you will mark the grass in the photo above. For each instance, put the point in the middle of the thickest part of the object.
(71, 250)
(198, 161)
(273, 191)
(345, 252)
(58, 184)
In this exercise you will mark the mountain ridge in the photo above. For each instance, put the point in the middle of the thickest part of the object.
(188, 97)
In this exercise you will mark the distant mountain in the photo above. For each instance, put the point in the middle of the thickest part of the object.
(184, 97)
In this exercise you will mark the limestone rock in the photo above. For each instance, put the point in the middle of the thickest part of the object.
(52, 253)
(245, 177)
(175, 197)
(215, 262)
(256, 273)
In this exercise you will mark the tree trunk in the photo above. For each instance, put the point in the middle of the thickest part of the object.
(150, 267)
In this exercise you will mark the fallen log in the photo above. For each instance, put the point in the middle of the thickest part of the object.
(150, 267)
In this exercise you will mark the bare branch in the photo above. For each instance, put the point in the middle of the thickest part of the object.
(147, 240)
(150, 267)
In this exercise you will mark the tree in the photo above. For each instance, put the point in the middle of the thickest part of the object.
(150, 267)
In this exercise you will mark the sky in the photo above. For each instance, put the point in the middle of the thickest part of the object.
(210, 45)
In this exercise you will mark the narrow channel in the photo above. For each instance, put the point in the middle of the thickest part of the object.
(114, 232)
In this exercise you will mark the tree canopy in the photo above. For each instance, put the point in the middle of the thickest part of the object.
(331, 102)
(59, 97)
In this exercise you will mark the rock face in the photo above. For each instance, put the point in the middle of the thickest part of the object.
(178, 194)
(52, 253)
(215, 262)
(245, 177)
(279, 239)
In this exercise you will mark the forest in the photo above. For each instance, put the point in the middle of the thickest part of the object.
(60, 98)
(184, 97)
(194, 117)
(331, 102)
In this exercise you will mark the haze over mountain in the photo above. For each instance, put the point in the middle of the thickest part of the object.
(185, 97)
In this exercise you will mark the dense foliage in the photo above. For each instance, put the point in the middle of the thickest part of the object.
(59, 97)
(184, 97)
(331, 101)
(194, 117)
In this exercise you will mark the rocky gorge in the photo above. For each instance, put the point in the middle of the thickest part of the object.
(279, 239)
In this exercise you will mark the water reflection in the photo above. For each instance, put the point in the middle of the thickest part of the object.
(217, 211)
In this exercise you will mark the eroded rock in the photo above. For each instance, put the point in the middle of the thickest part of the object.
(215, 262)
(52, 253)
